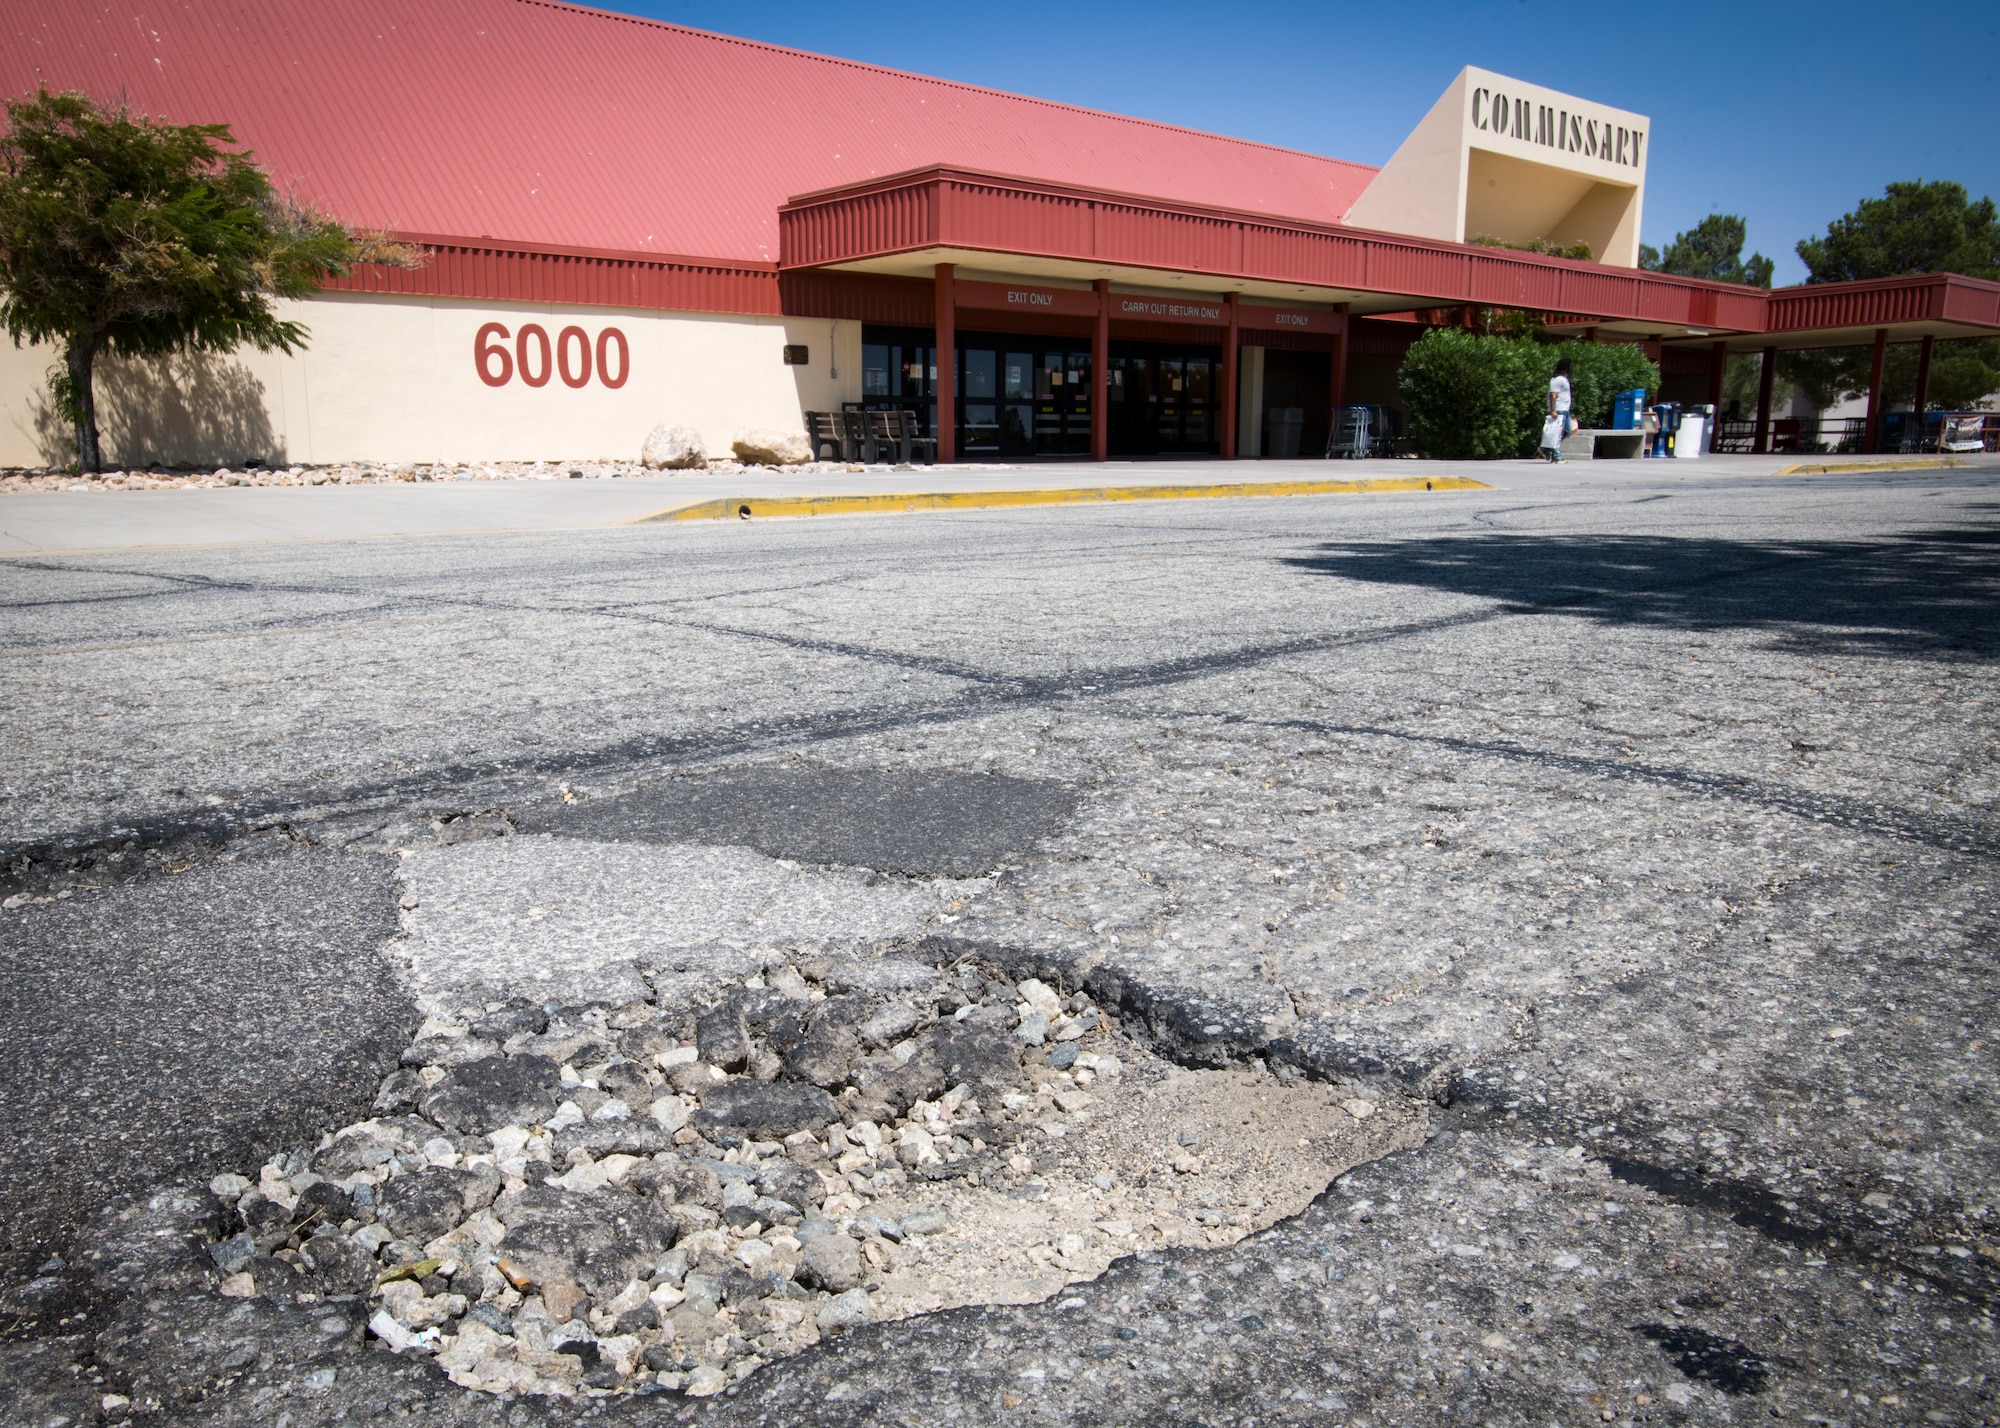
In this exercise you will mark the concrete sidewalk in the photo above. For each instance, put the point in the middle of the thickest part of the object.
(44, 522)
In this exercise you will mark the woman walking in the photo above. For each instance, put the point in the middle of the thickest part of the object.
(1558, 424)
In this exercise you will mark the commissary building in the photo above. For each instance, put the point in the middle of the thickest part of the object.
(631, 223)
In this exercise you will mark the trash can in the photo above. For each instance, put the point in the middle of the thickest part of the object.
(1282, 426)
(1697, 423)
(1628, 409)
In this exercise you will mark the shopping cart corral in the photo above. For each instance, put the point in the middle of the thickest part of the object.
(1369, 429)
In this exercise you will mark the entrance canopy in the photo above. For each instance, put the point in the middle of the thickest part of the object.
(905, 225)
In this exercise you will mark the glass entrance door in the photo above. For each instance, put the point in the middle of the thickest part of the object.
(1023, 396)
(899, 370)
(1164, 399)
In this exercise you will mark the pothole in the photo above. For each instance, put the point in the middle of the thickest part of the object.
(558, 1199)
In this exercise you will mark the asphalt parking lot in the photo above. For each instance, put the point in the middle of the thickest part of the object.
(1636, 843)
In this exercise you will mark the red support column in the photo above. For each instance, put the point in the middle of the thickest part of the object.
(1718, 369)
(1225, 396)
(1762, 445)
(1871, 433)
(946, 384)
(1337, 392)
(1923, 385)
(1100, 375)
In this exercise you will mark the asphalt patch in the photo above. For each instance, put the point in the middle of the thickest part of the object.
(946, 824)
(181, 1026)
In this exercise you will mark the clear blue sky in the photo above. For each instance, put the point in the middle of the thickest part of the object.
(1786, 114)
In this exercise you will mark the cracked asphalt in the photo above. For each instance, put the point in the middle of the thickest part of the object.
(1645, 835)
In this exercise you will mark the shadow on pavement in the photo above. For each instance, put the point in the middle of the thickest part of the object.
(1921, 593)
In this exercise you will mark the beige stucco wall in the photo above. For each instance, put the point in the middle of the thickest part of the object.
(1544, 169)
(394, 379)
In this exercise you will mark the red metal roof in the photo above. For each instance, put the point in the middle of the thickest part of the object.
(536, 123)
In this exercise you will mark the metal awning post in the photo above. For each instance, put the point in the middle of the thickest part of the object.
(1226, 397)
(1762, 445)
(1871, 431)
(1339, 364)
(946, 384)
(1923, 385)
(1100, 382)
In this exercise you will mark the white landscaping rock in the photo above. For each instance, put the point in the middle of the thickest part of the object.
(845, 1311)
(772, 448)
(705, 1382)
(673, 448)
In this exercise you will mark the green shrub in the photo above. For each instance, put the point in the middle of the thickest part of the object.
(1598, 372)
(1474, 397)
(1471, 396)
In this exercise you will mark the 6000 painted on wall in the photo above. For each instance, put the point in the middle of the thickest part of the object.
(536, 358)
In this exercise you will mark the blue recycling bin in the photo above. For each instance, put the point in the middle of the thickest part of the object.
(1626, 409)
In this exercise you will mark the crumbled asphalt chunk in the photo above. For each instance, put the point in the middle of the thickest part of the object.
(725, 1033)
(510, 1021)
(321, 1204)
(596, 1241)
(774, 1109)
(496, 1091)
(421, 1206)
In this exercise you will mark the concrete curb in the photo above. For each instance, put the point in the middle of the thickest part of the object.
(1834, 468)
(743, 507)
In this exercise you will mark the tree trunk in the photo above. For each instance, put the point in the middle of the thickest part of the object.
(82, 356)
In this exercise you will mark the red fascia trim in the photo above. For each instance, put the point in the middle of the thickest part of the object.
(1874, 302)
(616, 255)
(947, 206)
(483, 269)
(985, 178)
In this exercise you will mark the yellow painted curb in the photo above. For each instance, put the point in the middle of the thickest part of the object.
(744, 507)
(1832, 468)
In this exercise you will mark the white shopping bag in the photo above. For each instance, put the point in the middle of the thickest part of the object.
(1552, 434)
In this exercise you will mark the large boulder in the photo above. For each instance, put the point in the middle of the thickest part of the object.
(772, 448)
(673, 448)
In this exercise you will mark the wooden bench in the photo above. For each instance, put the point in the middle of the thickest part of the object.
(896, 431)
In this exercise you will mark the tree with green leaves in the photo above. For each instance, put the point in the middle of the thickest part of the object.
(1712, 249)
(1915, 227)
(120, 235)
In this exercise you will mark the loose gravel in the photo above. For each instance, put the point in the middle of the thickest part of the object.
(564, 1199)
